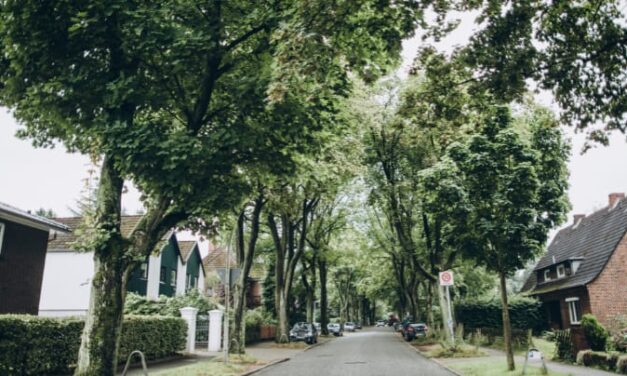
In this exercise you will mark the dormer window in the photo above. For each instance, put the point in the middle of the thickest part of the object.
(575, 265)
(547, 275)
(561, 271)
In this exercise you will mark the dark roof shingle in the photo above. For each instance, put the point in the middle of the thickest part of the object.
(593, 240)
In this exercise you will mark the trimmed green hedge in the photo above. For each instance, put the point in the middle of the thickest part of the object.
(32, 345)
(524, 313)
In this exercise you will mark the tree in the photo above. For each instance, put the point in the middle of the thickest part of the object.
(514, 176)
(177, 89)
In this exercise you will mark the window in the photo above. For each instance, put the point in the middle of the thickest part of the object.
(1, 235)
(574, 310)
(195, 282)
(163, 275)
(561, 271)
(547, 275)
(143, 270)
(172, 277)
(189, 281)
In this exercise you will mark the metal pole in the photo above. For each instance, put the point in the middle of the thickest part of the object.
(450, 315)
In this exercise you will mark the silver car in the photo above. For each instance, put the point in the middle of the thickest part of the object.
(335, 329)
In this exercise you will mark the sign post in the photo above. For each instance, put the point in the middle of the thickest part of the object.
(446, 280)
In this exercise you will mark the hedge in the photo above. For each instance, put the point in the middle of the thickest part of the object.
(606, 361)
(524, 313)
(32, 345)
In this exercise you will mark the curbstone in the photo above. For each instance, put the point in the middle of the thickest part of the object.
(247, 373)
(442, 365)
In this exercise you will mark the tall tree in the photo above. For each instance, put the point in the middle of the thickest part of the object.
(515, 179)
(169, 89)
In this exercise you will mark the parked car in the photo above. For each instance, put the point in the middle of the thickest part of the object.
(349, 326)
(398, 326)
(318, 327)
(381, 323)
(335, 329)
(303, 331)
(411, 331)
(358, 325)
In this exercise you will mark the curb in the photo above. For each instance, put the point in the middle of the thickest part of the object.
(274, 362)
(442, 365)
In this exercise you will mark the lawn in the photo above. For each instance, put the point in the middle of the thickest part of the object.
(495, 367)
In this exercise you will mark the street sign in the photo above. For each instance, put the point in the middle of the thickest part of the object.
(235, 272)
(446, 278)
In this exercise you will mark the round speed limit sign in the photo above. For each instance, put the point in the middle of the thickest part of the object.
(446, 278)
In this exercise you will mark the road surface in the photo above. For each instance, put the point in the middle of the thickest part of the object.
(368, 352)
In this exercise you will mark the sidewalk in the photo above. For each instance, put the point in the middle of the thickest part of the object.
(520, 360)
(265, 352)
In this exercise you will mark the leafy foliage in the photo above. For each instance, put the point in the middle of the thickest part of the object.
(564, 348)
(32, 345)
(596, 335)
(525, 313)
(166, 306)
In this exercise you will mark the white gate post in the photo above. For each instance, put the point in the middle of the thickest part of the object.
(189, 315)
(215, 330)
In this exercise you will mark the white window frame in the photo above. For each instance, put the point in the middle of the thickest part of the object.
(173, 277)
(547, 276)
(144, 270)
(2, 226)
(573, 314)
(561, 268)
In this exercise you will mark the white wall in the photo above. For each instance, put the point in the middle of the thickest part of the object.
(154, 271)
(201, 280)
(66, 283)
(181, 277)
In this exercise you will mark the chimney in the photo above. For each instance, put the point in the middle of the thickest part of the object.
(614, 198)
(578, 217)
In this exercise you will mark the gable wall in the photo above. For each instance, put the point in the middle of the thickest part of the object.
(22, 260)
(608, 292)
(169, 261)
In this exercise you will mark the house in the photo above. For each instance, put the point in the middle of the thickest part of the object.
(68, 273)
(192, 268)
(23, 245)
(585, 270)
(217, 259)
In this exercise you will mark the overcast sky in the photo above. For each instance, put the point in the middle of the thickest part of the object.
(33, 178)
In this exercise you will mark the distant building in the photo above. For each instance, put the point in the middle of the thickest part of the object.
(216, 259)
(585, 270)
(68, 273)
(23, 245)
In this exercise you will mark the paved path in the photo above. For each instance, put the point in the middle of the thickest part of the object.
(371, 352)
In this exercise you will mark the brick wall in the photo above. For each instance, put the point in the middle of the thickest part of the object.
(21, 268)
(608, 292)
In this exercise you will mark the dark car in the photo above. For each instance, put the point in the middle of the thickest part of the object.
(358, 325)
(411, 331)
(303, 331)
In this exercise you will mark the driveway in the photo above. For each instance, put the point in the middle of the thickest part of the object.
(372, 351)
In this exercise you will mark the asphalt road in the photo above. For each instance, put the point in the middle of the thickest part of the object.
(368, 352)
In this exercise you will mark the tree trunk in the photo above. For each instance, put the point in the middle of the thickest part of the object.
(101, 334)
(246, 254)
(324, 317)
(507, 329)
(282, 335)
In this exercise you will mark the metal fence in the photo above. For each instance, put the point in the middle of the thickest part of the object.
(202, 330)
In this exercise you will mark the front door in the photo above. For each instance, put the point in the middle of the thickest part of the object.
(554, 314)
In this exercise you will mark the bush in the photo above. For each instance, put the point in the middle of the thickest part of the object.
(591, 358)
(621, 365)
(32, 345)
(494, 337)
(596, 335)
(564, 345)
(525, 313)
(167, 306)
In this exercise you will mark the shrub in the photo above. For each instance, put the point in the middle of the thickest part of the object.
(621, 365)
(167, 306)
(32, 345)
(525, 313)
(596, 335)
(563, 345)
(596, 359)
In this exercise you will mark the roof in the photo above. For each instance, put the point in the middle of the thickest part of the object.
(186, 247)
(64, 242)
(593, 240)
(14, 214)
(217, 259)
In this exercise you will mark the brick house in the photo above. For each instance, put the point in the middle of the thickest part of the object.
(585, 270)
(23, 246)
